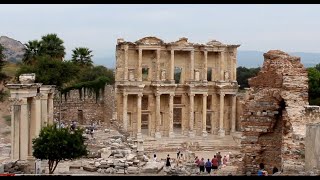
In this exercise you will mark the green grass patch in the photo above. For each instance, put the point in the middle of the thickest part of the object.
(7, 118)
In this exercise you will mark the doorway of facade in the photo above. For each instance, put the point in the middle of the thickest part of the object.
(145, 124)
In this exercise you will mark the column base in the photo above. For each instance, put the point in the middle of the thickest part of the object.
(139, 136)
(191, 134)
(157, 135)
(171, 134)
(204, 134)
(221, 132)
(233, 130)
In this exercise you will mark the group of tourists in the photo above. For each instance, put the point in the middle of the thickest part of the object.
(214, 164)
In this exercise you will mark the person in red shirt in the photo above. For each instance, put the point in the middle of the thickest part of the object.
(214, 162)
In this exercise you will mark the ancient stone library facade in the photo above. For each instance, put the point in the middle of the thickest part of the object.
(177, 87)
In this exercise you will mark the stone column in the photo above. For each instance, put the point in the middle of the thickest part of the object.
(204, 115)
(125, 113)
(158, 66)
(191, 120)
(234, 59)
(50, 108)
(171, 134)
(221, 131)
(140, 65)
(158, 117)
(192, 65)
(44, 110)
(233, 113)
(205, 70)
(172, 66)
(35, 121)
(15, 130)
(24, 129)
(125, 73)
(139, 135)
(221, 78)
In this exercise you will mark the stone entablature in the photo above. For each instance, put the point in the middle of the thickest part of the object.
(148, 70)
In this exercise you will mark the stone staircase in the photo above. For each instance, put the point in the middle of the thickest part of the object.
(198, 143)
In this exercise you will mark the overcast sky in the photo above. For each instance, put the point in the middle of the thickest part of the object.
(291, 28)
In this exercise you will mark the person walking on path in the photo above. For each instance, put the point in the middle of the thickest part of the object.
(201, 165)
(208, 166)
(219, 159)
(214, 162)
(168, 164)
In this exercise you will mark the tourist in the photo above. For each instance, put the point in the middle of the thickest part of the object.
(196, 160)
(168, 164)
(208, 166)
(201, 165)
(261, 171)
(224, 160)
(214, 163)
(73, 125)
(219, 157)
(274, 170)
(62, 125)
(154, 157)
(178, 154)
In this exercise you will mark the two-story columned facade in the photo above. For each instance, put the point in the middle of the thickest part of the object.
(163, 89)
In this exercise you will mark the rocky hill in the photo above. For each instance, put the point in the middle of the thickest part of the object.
(14, 50)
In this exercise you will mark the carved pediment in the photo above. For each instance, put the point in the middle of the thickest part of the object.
(214, 43)
(150, 41)
(182, 42)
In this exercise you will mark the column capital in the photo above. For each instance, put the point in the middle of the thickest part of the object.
(192, 94)
(222, 94)
(140, 50)
(172, 94)
(206, 94)
(18, 101)
(157, 94)
(140, 95)
(172, 51)
(125, 94)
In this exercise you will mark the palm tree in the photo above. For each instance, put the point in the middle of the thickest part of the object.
(52, 45)
(82, 56)
(2, 57)
(32, 52)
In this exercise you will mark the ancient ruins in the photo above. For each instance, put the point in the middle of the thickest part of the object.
(273, 125)
(180, 95)
(32, 109)
(176, 88)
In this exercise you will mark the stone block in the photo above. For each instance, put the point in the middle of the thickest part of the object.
(90, 168)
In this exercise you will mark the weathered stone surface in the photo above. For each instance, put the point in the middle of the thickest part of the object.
(312, 151)
(153, 167)
(273, 114)
(90, 168)
(91, 109)
(133, 170)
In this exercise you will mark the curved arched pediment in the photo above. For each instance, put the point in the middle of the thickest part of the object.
(214, 43)
(150, 40)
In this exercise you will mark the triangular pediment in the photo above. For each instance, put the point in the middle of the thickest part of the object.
(150, 41)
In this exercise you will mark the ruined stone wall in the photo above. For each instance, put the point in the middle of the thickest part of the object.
(273, 123)
(85, 109)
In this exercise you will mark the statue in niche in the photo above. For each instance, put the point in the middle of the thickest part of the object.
(197, 75)
(226, 76)
(163, 75)
(131, 75)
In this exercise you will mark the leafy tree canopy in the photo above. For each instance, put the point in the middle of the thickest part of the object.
(56, 144)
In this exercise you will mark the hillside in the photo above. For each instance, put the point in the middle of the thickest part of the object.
(14, 50)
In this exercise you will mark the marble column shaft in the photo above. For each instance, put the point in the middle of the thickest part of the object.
(233, 113)
(204, 115)
(125, 113)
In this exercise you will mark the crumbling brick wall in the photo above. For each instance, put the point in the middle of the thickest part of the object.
(273, 123)
(85, 109)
